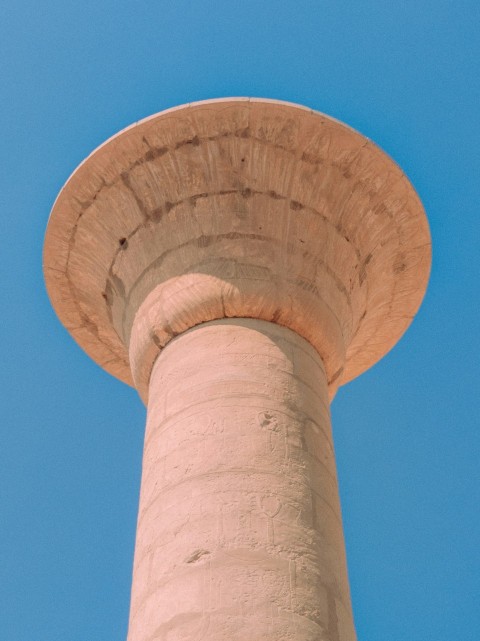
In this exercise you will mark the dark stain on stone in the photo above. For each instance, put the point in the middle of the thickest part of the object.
(295, 205)
(85, 204)
(168, 329)
(276, 315)
(195, 141)
(155, 152)
(205, 241)
(265, 419)
(243, 133)
(246, 193)
(337, 374)
(125, 178)
(307, 285)
(118, 285)
(156, 340)
(222, 300)
(89, 324)
(123, 242)
(362, 274)
(156, 214)
(193, 199)
(108, 293)
(196, 556)
(291, 405)
(311, 159)
(274, 195)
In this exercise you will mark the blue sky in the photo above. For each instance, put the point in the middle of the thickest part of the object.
(405, 74)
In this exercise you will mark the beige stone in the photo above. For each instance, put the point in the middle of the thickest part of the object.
(313, 243)
(239, 529)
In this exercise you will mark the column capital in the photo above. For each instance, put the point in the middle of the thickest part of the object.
(237, 208)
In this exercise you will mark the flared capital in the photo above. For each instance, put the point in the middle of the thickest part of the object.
(237, 208)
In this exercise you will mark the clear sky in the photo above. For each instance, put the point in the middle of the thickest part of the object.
(404, 73)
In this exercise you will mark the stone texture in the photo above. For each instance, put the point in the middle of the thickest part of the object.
(239, 530)
(237, 208)
(237, 260)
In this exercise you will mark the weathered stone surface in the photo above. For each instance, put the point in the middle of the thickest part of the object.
(239, 531)
(237, 260)
(237, 208)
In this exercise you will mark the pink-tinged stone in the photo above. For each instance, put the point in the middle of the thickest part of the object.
(237, 208)
(239, 530)
(237, 260)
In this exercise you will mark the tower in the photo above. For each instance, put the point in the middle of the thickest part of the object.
(236, 261)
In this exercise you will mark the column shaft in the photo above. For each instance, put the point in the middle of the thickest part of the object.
(239, 533)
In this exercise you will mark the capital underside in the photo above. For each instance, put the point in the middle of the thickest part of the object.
(237, 208)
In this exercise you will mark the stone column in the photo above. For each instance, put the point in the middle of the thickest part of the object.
(239, 530)
(236, 261)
